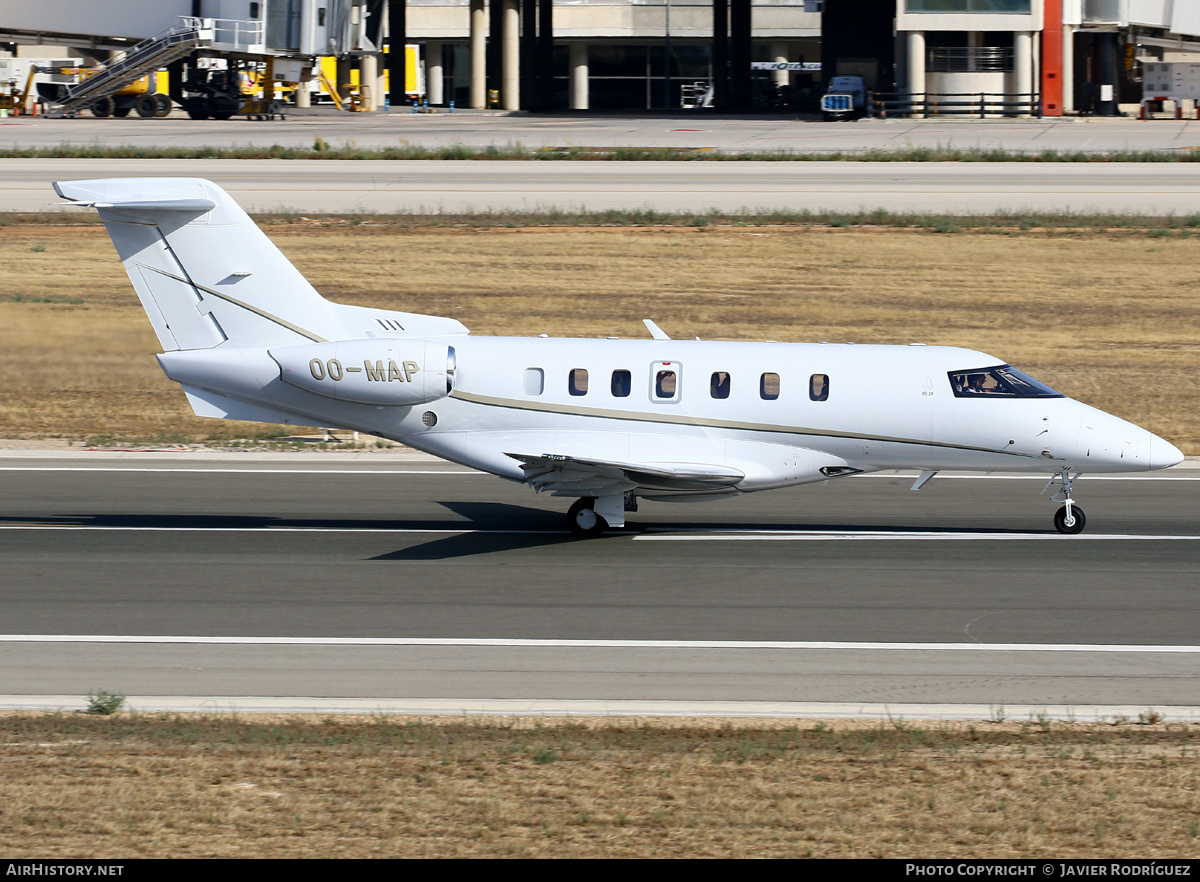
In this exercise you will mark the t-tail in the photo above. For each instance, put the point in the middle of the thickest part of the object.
(222, 298)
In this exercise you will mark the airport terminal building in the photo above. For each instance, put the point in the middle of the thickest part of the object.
(1049, 56)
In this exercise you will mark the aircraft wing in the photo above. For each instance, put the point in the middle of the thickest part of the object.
(571, 476)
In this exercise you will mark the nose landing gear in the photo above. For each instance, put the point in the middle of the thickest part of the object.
(1069, 519)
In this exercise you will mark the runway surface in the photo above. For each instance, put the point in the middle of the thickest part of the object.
(392, 582)
(379, 186)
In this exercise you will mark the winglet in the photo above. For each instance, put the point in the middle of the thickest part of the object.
(655, 331)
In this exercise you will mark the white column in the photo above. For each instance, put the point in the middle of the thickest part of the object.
(779, 54)
(1068, 69)
(916, 64)
(1022, 64)
(368, 77)
(510, 58)
(303, 95)
(579, 75)
(478, 55)
(434, 73)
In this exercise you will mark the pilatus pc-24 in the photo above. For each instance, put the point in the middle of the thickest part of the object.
(607, 422)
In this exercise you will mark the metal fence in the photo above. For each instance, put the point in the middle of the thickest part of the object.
(980, 104)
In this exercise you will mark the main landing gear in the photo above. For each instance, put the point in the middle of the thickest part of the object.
(1069, 519)
(583, 520)
(592, 515)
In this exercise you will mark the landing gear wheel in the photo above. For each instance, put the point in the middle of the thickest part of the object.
(146, 105)
(583, 520)
(1078, 520)
(104, 107)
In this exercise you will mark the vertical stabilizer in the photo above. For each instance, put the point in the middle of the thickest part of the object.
(205, 272)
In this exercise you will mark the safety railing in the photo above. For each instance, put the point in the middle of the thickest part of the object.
(126, 66)
(244, 36)
(980, 104)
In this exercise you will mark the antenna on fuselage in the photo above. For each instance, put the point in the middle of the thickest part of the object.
(655, 331)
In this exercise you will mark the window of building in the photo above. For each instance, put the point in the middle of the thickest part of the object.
(577, 382)
(768, 386)
(535, 381)
(718, 385)
(622, 383)
(1000, 6)
(818, 387)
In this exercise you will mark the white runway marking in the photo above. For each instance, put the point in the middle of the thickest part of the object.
(749, 535)
(541, 707)
(880, 535)
(594, 644)
(269, 529)
(344, 471)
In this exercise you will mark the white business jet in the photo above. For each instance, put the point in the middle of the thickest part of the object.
(607, 422)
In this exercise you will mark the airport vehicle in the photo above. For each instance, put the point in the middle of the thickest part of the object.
(845, 98)
(608, 422)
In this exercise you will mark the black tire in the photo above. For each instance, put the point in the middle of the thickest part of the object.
(583, 520)
(1060, 520)
(197, 108)
(104, 107)
(122, 112)
(162, 104)
(222, 116)
(146, 105)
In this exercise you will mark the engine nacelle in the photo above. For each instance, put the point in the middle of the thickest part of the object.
(376, 371)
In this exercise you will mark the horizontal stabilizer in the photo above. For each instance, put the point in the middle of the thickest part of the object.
(158, 204)
(137, 194)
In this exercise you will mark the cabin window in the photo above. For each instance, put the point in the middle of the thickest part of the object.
(535, 381)
(1001, 381)
(818, 387)
(577, 382)
(718, 385)
(666, 381)
(768, 387)
(622, 383)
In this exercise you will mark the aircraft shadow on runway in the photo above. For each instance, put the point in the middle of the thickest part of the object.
(477, 528)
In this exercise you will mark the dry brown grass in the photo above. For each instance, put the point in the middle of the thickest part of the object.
(136, 786)
(1110, 318)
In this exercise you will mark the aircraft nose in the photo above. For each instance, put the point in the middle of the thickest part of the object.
(1163, 454)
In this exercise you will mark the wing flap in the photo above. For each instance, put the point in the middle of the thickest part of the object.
(568, 475)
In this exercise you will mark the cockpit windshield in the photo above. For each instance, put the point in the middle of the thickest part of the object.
(1001, 381)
